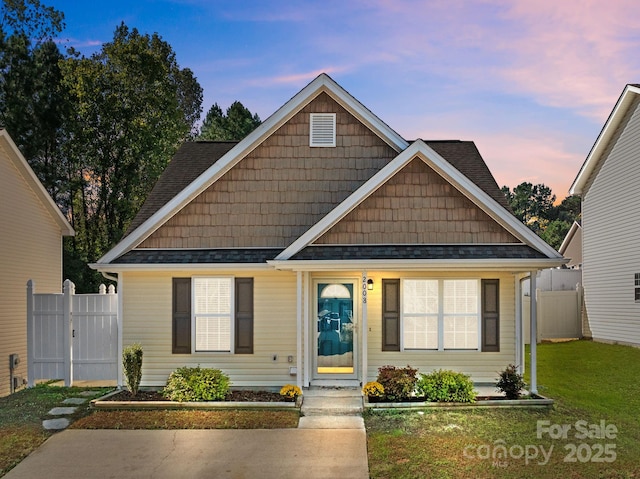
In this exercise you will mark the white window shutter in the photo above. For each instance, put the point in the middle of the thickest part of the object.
(322, 129)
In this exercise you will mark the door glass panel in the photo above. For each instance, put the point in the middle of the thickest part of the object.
(335, 328)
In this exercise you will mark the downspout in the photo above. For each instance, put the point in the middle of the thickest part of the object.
(109, 277)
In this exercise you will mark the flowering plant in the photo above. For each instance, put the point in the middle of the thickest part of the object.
(290, 391)
(373, 389)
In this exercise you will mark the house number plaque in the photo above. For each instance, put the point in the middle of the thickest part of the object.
(364, 288)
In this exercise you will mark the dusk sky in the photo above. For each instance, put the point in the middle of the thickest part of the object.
(531, 82)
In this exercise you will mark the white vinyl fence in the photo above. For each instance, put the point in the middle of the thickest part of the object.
(559, 314)
(72, 336)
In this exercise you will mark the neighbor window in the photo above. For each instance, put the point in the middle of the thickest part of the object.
(212, 306)
(440, 314)
(637, 287)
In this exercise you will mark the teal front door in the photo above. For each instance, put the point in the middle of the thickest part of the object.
(335, 329)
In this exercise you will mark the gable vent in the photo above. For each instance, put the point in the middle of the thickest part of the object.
(323, 129)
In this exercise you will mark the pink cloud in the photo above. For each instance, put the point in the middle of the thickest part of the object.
(572, 52)
(297, 78)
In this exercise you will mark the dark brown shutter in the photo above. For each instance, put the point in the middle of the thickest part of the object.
(391, 315)
(244, 316)
(181, 336)
(490, 315)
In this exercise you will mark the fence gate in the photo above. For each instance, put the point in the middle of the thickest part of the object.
(72, 336)
(559, 314)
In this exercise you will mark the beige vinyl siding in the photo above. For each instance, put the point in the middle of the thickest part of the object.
(483, 367)
(30, 248)
(611, 237)
(574, 249)
(147, 320)
(281, 189)
(416, 206)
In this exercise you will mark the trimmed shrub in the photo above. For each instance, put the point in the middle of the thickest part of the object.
(511, 382)
(132, 366)
(446, 386)
(398, 383)
(196, 384)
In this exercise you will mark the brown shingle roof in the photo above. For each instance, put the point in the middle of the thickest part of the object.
(466, 158)
(189, 162)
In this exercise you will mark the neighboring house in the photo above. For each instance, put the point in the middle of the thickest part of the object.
(30, 248)
(608, 184)
(322, 247)
(571, 247)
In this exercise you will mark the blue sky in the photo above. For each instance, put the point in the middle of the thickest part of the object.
(531, 82)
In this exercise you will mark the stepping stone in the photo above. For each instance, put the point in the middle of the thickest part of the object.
(55, 424)
(88, 393)
(61, 411)
(74, 401)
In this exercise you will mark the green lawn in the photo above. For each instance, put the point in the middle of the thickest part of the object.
(591, 383)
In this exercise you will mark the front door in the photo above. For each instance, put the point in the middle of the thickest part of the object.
(335, 316)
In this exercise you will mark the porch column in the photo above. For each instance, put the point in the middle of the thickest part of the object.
(365, 328)
(307, 340)
(533, 339)
(519, 325)
(299, 330)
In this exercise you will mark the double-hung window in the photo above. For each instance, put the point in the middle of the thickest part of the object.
(637, 287)
(213, 313)
(440, 314)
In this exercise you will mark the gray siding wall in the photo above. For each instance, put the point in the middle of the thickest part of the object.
(611, 237)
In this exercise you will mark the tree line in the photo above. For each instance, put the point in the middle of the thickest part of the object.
(535, 206)
(99, 130)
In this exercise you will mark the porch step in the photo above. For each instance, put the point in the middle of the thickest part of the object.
(331, 422)
(332, 402)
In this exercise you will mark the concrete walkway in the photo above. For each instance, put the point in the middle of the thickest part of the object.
(330, 442)
(237, 454)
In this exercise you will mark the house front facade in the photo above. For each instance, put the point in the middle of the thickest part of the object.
(30, 249)
(607, 183)
(320, 248)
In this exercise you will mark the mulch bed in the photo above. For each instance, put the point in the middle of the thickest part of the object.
(240, 396)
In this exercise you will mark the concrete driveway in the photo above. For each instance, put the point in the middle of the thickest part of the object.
(274, 453)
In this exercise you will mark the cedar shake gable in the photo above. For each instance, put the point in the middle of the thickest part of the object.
(189, 162)
(416, 206)
(281, 188)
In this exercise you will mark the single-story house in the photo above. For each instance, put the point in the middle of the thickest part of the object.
(30, 248)
(322, 247)
(607, 183)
